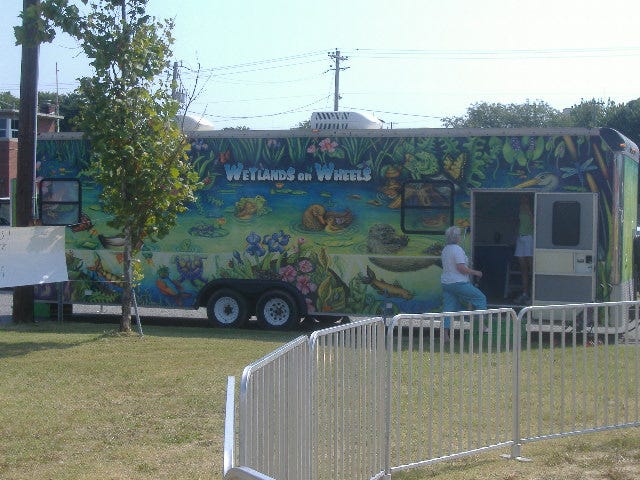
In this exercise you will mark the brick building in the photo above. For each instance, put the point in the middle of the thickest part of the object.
(47, 122)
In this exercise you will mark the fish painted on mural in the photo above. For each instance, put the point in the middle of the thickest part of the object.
(384, 288)
(411, 264)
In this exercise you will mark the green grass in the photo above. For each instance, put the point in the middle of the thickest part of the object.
(80, 401)
(84, 403)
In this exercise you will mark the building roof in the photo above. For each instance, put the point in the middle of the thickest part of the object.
(194, 123)
(14, 114)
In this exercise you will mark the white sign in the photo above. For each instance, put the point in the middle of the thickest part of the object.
(32, 255)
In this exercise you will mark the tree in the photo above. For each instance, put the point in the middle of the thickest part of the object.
(600, 113)
(625, 118)
(69, 108)
(589, 113)
(304, 125)
(138, 152)
(498, 115)
(9, 101)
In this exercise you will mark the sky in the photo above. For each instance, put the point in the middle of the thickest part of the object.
(266, 64)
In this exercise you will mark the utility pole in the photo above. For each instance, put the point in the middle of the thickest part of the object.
(336, 93)
(57, 101)
(174, 82)
(23, 295)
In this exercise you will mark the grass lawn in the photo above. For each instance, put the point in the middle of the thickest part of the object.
(79, 401)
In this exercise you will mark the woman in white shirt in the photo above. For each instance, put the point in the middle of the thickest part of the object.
(457, 290)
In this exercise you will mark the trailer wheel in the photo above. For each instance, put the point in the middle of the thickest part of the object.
(277, 309)
(227, 308)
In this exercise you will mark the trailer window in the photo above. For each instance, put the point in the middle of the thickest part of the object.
(427, 207)
(59, 201)
(5, 212)
(565, 226)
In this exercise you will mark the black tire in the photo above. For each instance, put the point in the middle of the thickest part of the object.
(277, 309)
(227, 308)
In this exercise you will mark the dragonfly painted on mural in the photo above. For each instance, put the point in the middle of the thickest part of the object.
(579, 170)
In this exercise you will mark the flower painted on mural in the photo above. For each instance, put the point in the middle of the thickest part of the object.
(312, 149)
(305, 285)
(236, 255)
(253, 238)
(305, 266)
(288, 273)
(297, 247)
(276, 241)
(327, 145)
(254, 248)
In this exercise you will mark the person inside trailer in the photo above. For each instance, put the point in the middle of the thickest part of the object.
(524, 248)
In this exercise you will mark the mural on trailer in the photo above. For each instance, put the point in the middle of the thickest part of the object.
(321, 213)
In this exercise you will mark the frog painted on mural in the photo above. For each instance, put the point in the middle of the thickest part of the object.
(249, 207)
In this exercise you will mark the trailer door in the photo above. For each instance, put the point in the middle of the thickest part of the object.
(564, 257)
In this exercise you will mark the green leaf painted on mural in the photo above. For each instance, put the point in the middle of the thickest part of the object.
(323, 258)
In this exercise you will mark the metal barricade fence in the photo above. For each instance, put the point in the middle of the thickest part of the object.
(381, 399)
(349, 400)
(450, 397)
(275, 413)
(579, 369)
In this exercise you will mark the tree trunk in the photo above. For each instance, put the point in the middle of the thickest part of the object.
(127, 290)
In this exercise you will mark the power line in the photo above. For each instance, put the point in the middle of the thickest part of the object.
(247, 117)
(499, 54)
(221, 79)
(243, 66)
(287, 97)
(394, 113)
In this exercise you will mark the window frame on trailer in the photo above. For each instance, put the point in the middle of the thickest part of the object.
(415, 202)
(75, 200)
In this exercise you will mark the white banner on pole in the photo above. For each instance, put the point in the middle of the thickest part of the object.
(32, 255)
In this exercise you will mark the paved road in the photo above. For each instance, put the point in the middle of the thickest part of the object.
(110, 313)
(148, 316)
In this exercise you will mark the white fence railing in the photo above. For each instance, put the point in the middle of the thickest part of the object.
(349, 400)
(370, 398)
(591, 379)
(275, 405)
